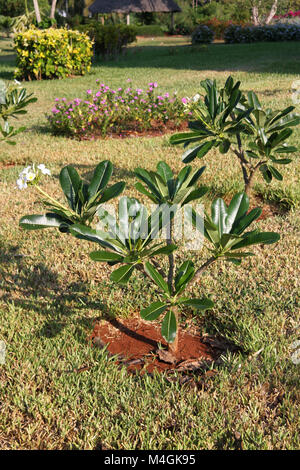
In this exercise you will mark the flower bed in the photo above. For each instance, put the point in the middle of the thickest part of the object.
(114, 112)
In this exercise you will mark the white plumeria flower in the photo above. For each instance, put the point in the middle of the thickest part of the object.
(30, 174)
(196, 98)
(21, 183)
(44, 170)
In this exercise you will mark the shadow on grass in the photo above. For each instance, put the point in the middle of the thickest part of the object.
(270, 57)
(35, 287)
(6, 74)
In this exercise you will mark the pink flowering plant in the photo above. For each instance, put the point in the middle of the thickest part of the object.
(112, 111)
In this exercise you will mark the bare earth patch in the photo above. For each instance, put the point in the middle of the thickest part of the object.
(139, 346)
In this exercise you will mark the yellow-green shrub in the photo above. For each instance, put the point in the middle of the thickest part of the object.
(52, 53)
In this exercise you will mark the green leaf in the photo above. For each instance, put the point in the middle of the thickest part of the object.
(281, 161)
(164, 171)
(101, 177)
(142, 190)
(122, 274)
(286, 149)
(169, 327)
(224, 146)
(157, 277)
(263, 238)
(205, 148)
(240, 254)
(36, 222)
(145, 176)
(277, 175)
(183, 177)
(199, 304)
(241, 224)
(277, 139)
(196, 175)
(188, 137)
(264, 169)
(196, 194)
(237, 208)
(290, 120)
(184, 275)
(253, 100)
(165, 250)
(114, 191)
(251, 154)
(86, 233)
(219, 214)
(105, 256)
(153, 311)
(70, 183)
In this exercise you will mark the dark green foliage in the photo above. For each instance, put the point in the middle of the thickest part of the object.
(163, 187)
(203, 34)
(277, 32)
(225, 229)
(13, 101)
(228, 119)
(83, 199)
(109, 39)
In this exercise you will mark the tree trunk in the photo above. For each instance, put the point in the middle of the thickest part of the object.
(53, 7)
(272, 12)
(255, 16)
(37, 11)
(249, 183)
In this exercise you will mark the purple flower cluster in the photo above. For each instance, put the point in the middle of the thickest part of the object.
(116, 110)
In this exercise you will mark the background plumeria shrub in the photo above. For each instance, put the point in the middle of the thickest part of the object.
(117, 110)
(13, 101)
(52, 53)
(226, 118)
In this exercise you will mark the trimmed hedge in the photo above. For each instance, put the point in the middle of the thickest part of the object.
(52, 53)
(277, 32)
(219, 26)
(109, 39)
(149, 30)
(202, 35)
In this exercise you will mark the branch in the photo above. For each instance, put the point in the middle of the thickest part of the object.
(272, 12)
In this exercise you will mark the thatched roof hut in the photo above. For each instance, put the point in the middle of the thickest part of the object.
(133, 6)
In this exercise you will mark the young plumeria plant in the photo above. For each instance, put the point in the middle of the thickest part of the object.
(228, 119)
(129, 241)
(133, 241)
(13, 101)
(83, 199)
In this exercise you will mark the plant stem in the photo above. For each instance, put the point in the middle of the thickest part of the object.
(202, 268)
(173, 347)
(171, 258)
(52, 200)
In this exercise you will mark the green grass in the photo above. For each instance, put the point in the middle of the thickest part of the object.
(51, 293)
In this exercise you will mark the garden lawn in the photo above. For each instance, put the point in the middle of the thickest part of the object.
(51, 292)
